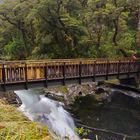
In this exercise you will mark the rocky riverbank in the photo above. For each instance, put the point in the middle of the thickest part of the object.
(68, 94)
(9, 97)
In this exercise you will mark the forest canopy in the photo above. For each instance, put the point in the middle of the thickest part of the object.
(40, 29)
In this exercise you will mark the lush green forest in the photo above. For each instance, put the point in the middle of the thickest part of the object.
(37, 29)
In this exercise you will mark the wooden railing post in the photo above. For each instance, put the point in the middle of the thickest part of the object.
(26, 77)
(107, 69)
(3, 77)
(46, 75)
(64, 73)
(129, 63)
(138, 66)
(80, 72)
(119, 69)
(94, 71)
(75, 70)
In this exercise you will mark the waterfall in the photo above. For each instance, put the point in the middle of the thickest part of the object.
(39, 108)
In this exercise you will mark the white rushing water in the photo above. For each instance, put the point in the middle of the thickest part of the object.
(37, 107)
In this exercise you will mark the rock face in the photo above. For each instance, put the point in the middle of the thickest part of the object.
(100, 93)
(10, 97)
(79, 91)
(65, 94)
(70, 92)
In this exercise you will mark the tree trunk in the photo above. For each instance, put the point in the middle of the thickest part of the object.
(25, 43)
(115, 22)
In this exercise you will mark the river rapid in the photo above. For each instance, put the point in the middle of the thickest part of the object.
(39, 108)
(117, 118)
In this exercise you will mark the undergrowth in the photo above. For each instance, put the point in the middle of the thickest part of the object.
(14, 126)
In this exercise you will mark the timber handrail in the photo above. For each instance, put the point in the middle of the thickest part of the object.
(63, 69)
(70, 60)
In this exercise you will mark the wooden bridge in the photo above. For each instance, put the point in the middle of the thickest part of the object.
(16, 75)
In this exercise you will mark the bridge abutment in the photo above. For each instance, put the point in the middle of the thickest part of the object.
(133, 81)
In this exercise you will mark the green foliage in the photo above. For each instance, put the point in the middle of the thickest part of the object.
(14, 50)
(82, 132)
(127, 40)
(68, 28)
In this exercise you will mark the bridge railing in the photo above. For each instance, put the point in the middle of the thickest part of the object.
(22, 71)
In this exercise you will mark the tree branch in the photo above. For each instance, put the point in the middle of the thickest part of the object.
(7, 19)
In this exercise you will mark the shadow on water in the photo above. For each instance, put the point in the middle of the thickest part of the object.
(118, 119)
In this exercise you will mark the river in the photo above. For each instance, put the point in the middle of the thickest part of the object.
(117, 119)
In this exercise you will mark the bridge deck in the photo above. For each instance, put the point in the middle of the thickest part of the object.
(25, 72)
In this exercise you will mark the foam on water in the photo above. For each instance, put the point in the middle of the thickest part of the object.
(37, 107)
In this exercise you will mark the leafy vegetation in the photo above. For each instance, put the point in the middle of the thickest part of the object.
(14, 126)
(82, 132)
(69, 28)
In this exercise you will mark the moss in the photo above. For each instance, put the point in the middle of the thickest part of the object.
(62, 89)
(113, 81)
(14, 126)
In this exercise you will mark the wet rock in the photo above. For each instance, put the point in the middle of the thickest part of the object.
(75, 91)
(103, 94)
(10, 97)
(99, 90)
(55, 96)
(70, 93)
